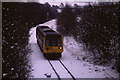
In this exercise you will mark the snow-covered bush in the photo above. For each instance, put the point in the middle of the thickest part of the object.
(96, 26)
(99, 28)
(17, 19)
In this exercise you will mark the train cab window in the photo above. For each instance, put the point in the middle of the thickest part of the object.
(59, 42)
(53, 42)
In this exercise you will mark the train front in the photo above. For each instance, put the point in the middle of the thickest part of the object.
(53, 46)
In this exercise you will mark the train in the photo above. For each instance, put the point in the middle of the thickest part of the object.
(50, 42)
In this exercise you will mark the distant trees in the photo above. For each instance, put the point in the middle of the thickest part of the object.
(51, 11)
(54, 12)
(66, 21)
(96, 25)
(62, 6)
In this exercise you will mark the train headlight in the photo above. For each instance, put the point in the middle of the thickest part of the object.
(60, 47)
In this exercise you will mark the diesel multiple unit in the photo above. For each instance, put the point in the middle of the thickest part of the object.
(50, 42)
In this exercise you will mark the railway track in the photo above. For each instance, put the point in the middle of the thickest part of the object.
(58, 66)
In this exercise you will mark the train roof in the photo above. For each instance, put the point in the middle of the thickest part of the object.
(43, 26)
(51, 33)
(47, 31)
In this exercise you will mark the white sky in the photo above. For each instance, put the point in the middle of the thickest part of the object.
(74, 0)
(64, 0)
(58, 0)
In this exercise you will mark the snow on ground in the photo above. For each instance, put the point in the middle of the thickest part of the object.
(84, 69)
(71, 57)
(51, 24)
(40, 65)
(75, 50)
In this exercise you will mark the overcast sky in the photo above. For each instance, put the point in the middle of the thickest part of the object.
(42, 1)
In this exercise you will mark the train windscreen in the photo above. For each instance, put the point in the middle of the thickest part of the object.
(53, 41)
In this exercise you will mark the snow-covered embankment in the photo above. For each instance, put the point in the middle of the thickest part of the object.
(72, 57)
